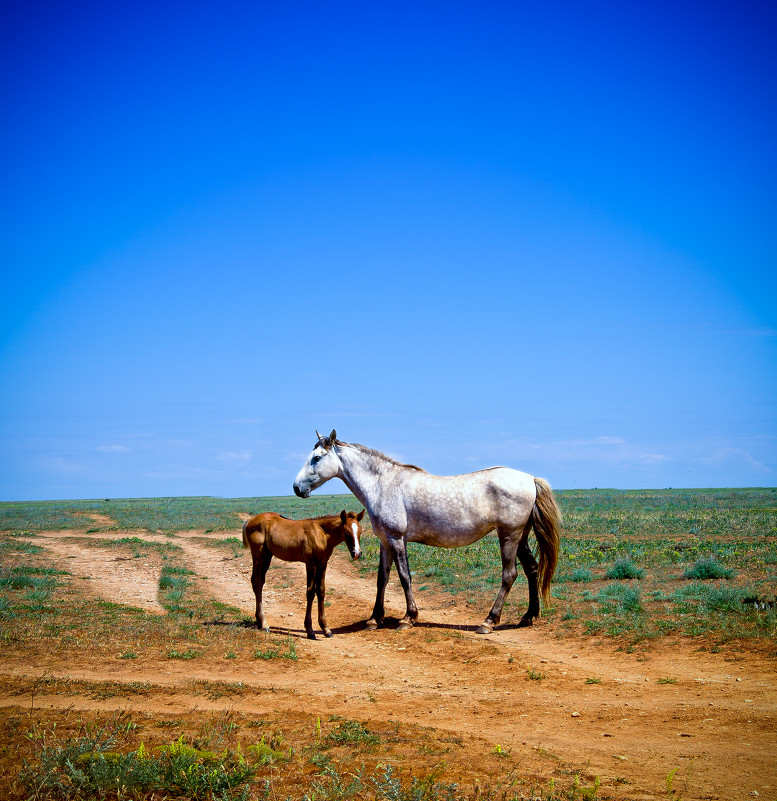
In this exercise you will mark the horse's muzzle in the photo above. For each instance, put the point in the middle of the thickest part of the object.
(300, 493)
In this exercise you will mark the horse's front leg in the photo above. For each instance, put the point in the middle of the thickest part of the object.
(508, 547)
(261, 563)
(384, 568)
(310, 593)
(321, 595)
(398, 546)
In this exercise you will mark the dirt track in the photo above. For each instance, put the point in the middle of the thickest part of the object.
(715, 725)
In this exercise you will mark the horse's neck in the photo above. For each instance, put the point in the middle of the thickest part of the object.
(363, 471)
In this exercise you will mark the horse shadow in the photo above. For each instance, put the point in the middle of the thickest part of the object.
(390, 623)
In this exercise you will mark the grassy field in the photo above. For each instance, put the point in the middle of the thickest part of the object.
(635, 567)
(638, 564)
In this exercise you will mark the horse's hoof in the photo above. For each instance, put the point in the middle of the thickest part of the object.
(525, 622)
(311, 635)
(328, 633)
(484, 629)
(371, 625)
(405, 624)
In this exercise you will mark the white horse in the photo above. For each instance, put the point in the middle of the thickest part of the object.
(407, 504)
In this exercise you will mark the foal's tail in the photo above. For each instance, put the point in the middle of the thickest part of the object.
(546, 521)
(246, 544)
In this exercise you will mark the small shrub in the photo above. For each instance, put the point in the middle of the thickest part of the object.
(624, 568)
(618, 597)
(268, 753)
(534, 675)
(174, 654)
(708, 567)
(351, 732)
(581, 574)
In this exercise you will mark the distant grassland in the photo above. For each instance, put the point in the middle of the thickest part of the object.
(687, 513)
(162, 514)
(636, 564)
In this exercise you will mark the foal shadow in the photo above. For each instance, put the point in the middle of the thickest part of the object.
(350, 628)
(393, 623)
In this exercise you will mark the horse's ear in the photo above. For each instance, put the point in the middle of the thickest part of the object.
(332, 438)
(344, 516)
(360, 515)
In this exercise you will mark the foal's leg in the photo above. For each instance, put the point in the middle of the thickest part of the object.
(312, 578)
(261, 563)
(321, 595)
(508, 544)
(384, 567)
(399, 549)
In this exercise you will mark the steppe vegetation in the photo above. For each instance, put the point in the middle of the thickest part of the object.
(636, 568)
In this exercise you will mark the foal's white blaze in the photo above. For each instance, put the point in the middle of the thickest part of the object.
(357, 551)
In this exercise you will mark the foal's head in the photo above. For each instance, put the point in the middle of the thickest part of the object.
(352, 531)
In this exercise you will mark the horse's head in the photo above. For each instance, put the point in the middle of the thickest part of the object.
(322, 464)
(352, 531)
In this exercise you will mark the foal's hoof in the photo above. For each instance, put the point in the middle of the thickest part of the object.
(311, 635)
(405, 624)
(525, 622)
(328, 633)
(484, 629)
(371, 624)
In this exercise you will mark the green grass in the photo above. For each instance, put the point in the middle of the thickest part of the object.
(163, 514)
(88, 767)
(276, 648)
(678, 540)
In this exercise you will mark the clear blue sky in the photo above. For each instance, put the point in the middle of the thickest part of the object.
(532, 234)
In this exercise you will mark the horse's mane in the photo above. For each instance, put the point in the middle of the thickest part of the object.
(382, 456)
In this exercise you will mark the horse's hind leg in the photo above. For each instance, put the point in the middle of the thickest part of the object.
(529, 565)
(508, 544)
(384, 568)
(261, 563)
(399, 548)
(321, 594)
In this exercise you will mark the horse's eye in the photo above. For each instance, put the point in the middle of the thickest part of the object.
(314, 459)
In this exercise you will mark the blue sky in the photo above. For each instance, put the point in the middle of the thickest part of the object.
(540, 235)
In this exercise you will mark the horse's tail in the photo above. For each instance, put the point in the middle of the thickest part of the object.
(546, 521)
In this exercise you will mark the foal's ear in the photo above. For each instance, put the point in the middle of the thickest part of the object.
(360, 515)
(344, 517)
